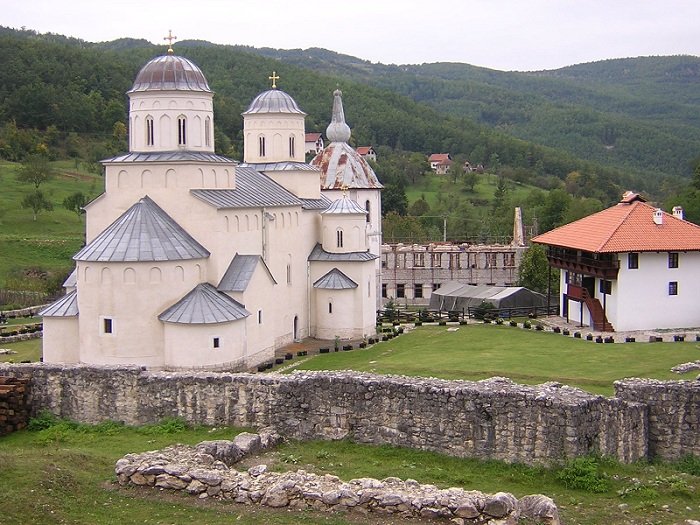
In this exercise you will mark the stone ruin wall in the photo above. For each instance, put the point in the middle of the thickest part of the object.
(674, 414)
(494, 419)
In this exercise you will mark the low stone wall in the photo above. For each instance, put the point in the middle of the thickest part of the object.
(14, 411)
(205, 471)
(493, 419)
(674, 414)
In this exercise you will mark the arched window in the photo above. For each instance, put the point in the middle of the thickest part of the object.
(261, 146)
(149, 131)
(207, 132)
(330, 307)
(367, 208)
(339, 238)
(291, 146)
(181, 130)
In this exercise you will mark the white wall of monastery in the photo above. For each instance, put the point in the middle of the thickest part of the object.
(61, 342)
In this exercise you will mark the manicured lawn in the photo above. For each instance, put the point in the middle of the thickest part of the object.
(480, 351)
(65, 474)
(26, 351)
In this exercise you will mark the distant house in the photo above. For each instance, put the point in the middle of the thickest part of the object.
(367, 152)
(440, 162)
(313, 143)
(629, 267)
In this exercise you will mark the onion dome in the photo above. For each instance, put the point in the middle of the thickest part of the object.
(341, 166)
(273, 101)
(168, 73)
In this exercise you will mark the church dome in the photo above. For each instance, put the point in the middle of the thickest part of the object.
(170, 72)
(273, 101)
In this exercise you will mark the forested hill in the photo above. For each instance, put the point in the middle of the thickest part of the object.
(641, 114)
(527, 122)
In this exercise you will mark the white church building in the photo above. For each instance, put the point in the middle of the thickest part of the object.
(193, 260)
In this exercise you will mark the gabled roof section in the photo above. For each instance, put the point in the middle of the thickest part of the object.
(626, 227)
(72, 280)
(240, 272)
(170, 156)
(316, 204)
(319, 254)
(311, 137)
(66, 306)
(144, 232)
(204, 305)
(440, 157)
(335, 280)
(253, 190)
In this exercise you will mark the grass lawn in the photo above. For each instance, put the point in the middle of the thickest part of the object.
(65, 474)
(26, 351)
(480, 351)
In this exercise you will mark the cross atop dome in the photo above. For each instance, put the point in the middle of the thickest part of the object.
(170, 39)
(275, 77)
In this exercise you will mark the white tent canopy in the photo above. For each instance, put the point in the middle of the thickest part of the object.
(456, 296)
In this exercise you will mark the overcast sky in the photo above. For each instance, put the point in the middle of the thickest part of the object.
(499, 34)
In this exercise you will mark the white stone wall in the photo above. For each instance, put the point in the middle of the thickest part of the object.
(276, 129)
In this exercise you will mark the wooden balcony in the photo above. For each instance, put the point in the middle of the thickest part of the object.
(598, 265)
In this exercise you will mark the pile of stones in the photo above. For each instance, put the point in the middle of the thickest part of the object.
(14, 412)
(205, 471)
(686, 367)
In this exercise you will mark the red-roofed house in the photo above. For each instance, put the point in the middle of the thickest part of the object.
(313, 143)
(629, 267)
(367, 152)
(440, 162)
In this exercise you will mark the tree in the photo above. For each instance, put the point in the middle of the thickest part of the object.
(36, 170)
(394, 199)
(37, 202)
(75, 203)
(419, 207)
(534, 269)
(470, 179)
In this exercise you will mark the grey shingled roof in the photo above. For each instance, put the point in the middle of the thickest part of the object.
(240, 272)
(319, 254)
(316, 204)
(335, 280)
(253, 190)
(280, 166)
(171, 156)
(344, 206)
(144, 232)
(72, 279)
(66, 306)
(204, 305)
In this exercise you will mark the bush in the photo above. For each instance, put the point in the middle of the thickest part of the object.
(43, 420)
(499, 321)
(513, 323)
(483, 310)
(539, 327)
(689, 464)
(527, 325)
(582, 474)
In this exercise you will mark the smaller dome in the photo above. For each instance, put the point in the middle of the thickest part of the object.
(344, 206)
(170, 72)
(273, 101)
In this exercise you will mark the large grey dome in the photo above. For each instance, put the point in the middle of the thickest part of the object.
(273, 101)
(170, 72)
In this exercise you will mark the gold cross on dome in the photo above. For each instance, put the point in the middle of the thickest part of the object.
(170, 39)
(274, 79)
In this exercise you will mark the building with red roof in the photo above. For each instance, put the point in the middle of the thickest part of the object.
(313, 143)
(629, 267)
(440, 162)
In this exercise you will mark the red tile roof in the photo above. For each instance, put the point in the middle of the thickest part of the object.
(439, 157)
(312, 137)
(626, 227)
(363, 150)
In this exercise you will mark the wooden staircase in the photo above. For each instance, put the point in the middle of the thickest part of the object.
(600, 321)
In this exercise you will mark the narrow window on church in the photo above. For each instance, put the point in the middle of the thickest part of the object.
(259, 316)
(261, 146)
(149, 131)
(207, 132)
(291, 147)
(107, 325)
(367, 208)
(339, 238)
(216, 342)
(330, 308)
(289, 273)
(181, 130)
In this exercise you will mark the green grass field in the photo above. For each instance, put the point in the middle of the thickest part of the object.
(479, 351)
(65, 474)
(50, 241)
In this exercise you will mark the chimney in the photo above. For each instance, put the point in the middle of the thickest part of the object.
(678, 212)
(658, 216)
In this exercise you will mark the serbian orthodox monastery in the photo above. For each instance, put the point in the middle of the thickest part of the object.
(193, 260)
(629, 267)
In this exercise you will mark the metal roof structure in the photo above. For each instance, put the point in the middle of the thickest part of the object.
(240, 272)
(286, 165)
(253, 190)
(144, 232)
(170, 73)
(66, 306)
(72, 280)
(204, 305)
(454, 295)
(344, 206)
(316, 204)
(273, 101)
(171, 156)
(319, 254)
(335, 280)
